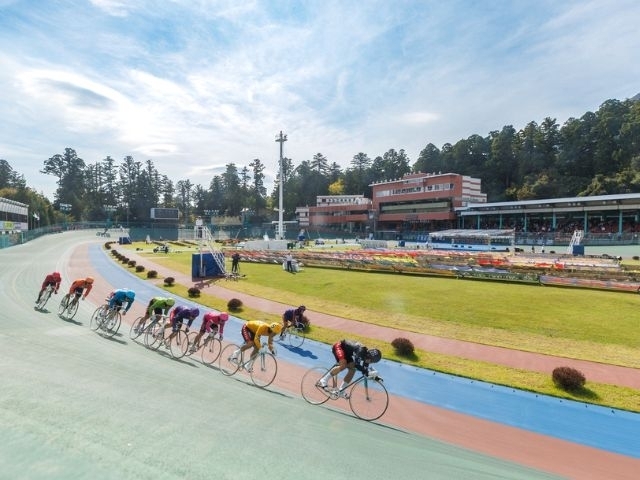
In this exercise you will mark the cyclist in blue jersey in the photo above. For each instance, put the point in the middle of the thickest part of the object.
(119, 297)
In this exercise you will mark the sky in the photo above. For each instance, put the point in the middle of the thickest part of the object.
(194, 85)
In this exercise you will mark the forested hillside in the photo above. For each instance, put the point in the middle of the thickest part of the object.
(596, 154)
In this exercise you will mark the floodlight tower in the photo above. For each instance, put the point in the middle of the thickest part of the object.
(280, 138)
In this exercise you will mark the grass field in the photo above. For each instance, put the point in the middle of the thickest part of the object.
(584, 324)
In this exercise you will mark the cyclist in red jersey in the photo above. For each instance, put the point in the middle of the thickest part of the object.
(52, 279)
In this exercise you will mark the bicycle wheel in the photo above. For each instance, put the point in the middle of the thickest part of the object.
(191, 338)
(179, 344)
(44, 298)
(264, 369)
(97, 318)
(295, 336)
(311, 391)
(229, 365)
(211, 351)
(154, 336)
(368, 399)
(72, 309)
(111, 324)
(133, 334)
(63, 305)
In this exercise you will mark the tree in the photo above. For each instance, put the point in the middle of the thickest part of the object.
(428, 161)
(258, 191)
(69, 168)
(9, 177)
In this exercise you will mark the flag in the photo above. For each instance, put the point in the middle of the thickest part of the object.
(36, 216)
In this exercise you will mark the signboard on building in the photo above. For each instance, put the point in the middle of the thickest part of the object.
(165, 214)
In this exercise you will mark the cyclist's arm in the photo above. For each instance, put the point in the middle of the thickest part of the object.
(129, 303)
(87, 290)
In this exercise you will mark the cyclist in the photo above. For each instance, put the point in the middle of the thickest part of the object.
(251, 333)
(353, 356)
(292, 317)
(211, 322)
(158, 306)
(52, 279)
(80, 286)
(118, 297)
(178, 316)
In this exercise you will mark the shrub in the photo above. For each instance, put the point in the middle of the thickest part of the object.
(107, 245)
(403, 347)
(636, 257)
(169, 281)
(115, 253)
(194, 292)
(124, 259)
(140, 268)
(568, 378)
(152, 274)
(132, 263)
(234, 304)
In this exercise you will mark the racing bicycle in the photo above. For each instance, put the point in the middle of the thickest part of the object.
(154, 338)
(262, 368)
(294, 334)
(68, 306)
(44, 298)
(107, 320)
(367, 395)
(210, 348)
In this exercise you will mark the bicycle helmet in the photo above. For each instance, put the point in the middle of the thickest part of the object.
(374, 355)
(88, 280)
(275, 327)
(170, 302)
(56, 276)
(224, 316)
(194, 312)
(130, 294)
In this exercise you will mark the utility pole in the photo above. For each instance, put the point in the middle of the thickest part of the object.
(281, 138)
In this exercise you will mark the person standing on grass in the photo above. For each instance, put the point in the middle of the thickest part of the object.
(289, 261)
(235, 262)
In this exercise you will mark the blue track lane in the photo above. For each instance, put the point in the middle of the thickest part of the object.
(603, 428)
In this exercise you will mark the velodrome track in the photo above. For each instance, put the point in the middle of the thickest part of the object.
(75, 405)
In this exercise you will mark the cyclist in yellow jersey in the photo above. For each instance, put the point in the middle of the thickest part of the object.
(251, 333)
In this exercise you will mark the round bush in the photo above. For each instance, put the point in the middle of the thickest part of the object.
(234, 304)
(152, 274)
(194, 292)
(169, 281)
(568, 378)
(403, 347)
(140, 268)
(131, 263)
